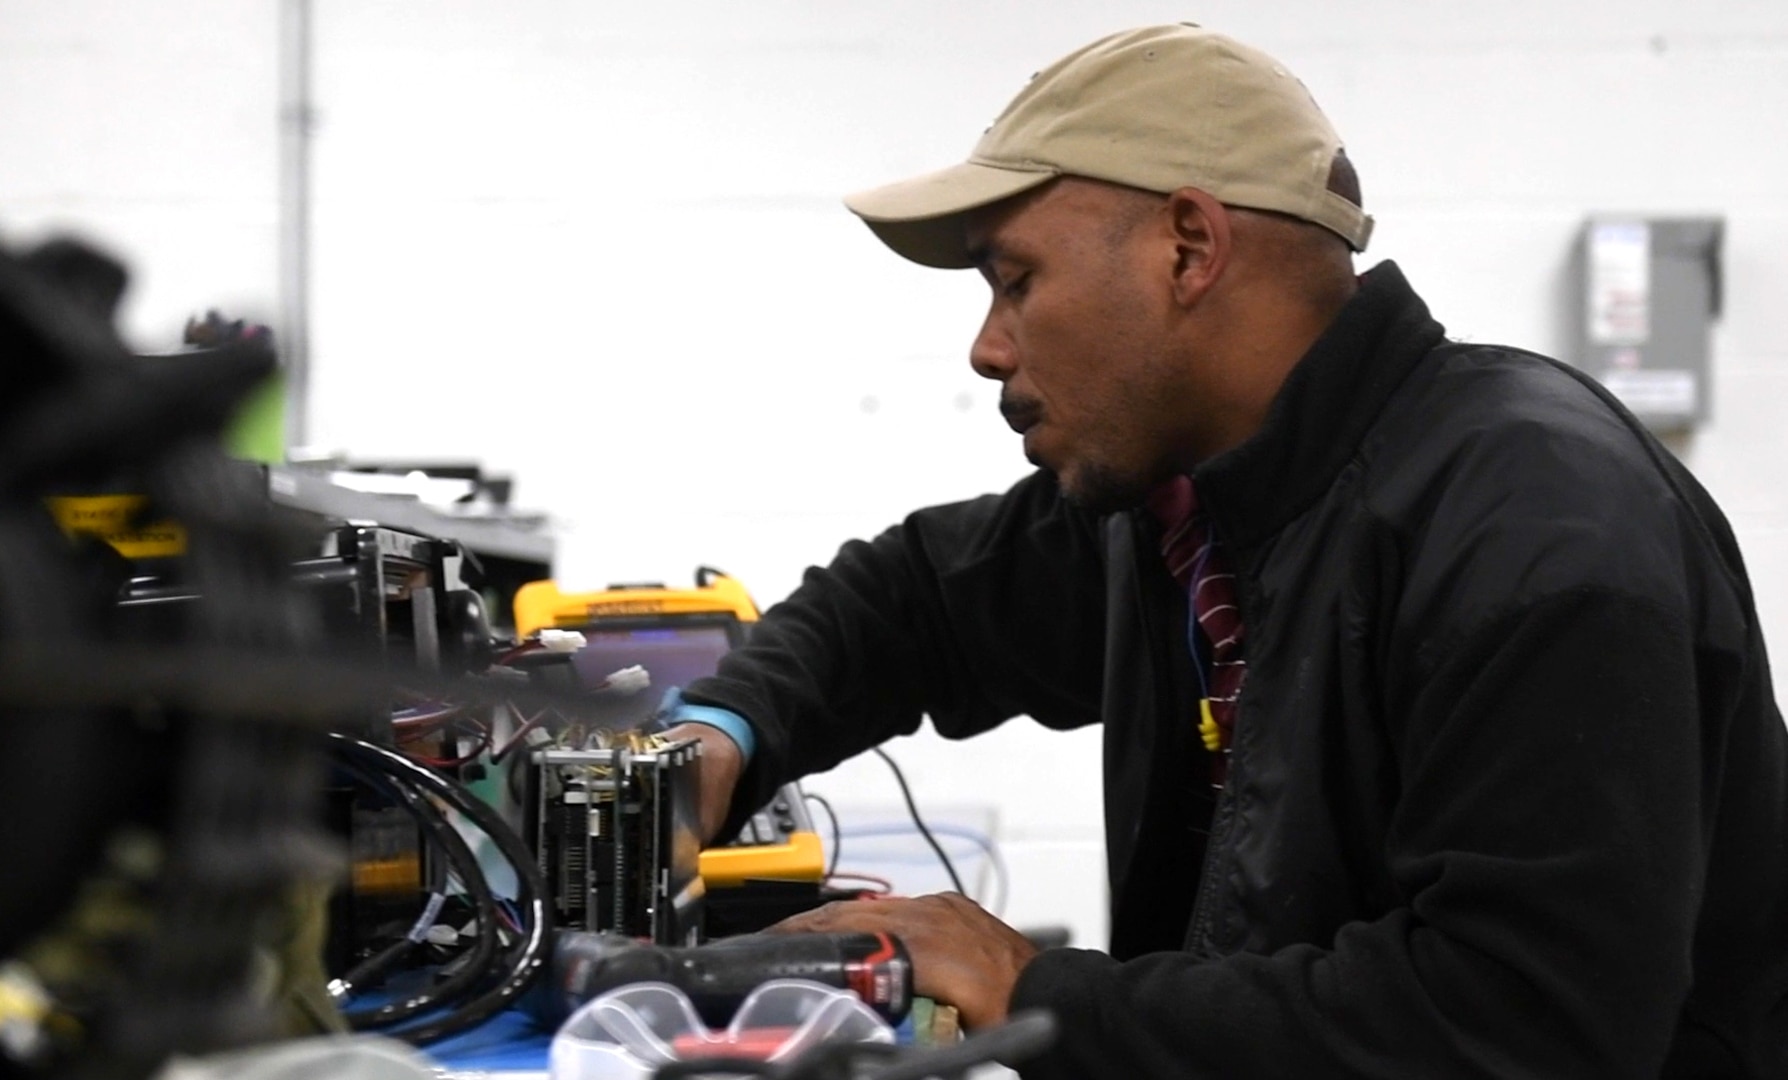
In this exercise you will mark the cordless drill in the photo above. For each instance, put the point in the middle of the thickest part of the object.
(717, 976)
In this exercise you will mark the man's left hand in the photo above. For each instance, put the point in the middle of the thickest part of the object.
(962, 955)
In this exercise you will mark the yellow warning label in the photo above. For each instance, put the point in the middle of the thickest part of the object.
(113, 518)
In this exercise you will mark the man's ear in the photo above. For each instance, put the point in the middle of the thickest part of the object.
(1202, 243)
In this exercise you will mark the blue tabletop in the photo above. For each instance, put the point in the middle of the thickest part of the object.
(508, 1041)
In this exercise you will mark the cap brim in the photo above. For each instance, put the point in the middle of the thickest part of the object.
(922, 218)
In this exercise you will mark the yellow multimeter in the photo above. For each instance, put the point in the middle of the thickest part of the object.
(541, 605)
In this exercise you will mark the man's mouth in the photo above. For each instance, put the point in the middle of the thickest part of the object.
(1021, 415)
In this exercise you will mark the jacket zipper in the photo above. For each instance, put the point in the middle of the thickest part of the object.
(1203, 908)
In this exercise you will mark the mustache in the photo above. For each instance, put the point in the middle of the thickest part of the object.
(1020, 413)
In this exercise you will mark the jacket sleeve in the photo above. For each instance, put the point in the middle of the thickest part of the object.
(1547, 849)
(970, 613)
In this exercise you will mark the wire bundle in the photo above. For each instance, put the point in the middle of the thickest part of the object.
(432, 720)
(501, 964)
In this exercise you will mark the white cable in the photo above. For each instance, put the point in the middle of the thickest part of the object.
(426, 921)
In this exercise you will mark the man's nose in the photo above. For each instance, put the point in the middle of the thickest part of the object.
(993, 354)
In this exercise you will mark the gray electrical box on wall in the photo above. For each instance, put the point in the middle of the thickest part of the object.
(1649, 290)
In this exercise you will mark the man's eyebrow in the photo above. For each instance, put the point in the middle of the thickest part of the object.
(982, 253)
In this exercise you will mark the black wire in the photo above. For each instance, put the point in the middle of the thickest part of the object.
(367, 971)
(913, 809)
(531, 953)
(453, 846)
(837, 837)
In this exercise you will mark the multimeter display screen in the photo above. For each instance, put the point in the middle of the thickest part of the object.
(671, 655)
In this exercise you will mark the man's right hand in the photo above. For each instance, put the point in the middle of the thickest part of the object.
(719, 770)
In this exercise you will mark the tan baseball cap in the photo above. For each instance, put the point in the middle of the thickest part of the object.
(1159, 108)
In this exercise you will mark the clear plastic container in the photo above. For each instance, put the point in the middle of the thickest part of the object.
(627, 1033)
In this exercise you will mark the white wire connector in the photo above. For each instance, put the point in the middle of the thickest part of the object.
(628, 680)
(561, 641)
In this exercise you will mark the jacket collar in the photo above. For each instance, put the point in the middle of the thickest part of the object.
(1321, 413)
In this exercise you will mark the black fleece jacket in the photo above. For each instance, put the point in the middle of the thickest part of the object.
(1509, 789)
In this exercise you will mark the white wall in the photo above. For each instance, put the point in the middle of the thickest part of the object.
(600, 246)
(148, 128)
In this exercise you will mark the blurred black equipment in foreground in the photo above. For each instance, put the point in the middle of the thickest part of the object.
(716, 977)
(178, 720)
(152, 848)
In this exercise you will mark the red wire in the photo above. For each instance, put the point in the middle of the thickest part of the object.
(410, 735)
(521, 732)
(521, 650)
(425, 722)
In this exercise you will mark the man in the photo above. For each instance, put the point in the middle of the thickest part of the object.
(1470, 764)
